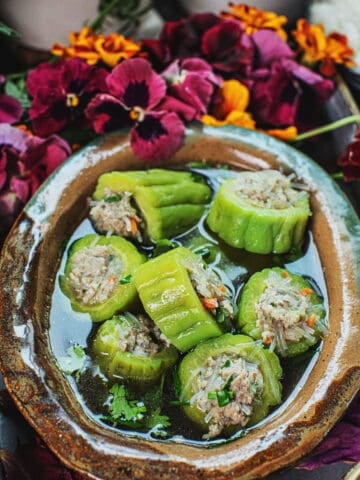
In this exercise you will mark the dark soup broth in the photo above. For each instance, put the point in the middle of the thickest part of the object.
(155, 410)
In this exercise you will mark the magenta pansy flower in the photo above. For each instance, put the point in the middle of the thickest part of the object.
(191, 85)
(133, 100)
(61, 91)
(281, 87)
(10, 108)
(25, 162)
(350, 165)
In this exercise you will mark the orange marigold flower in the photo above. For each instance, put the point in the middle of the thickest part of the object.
(316, 47)
(253, 19)
(82, 45)
(230, 105)
(114, 47)
(288, 133)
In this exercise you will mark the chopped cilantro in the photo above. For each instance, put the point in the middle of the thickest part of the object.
(223, 396)
(74, 361)
(112, 198)
(125, 280)
(226, 364)
(220, 315)
(123, 410)
(144, 415)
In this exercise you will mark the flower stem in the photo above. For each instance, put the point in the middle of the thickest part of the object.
(327, 128)
(96, 24)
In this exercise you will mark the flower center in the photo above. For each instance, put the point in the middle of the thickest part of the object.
(137, 114)
(72, 100)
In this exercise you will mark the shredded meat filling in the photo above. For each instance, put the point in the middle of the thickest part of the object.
(95, 274)
(115, 214)
(140, 337)
(214, 295)
(283, 313)
(232, 377)
(268, 189)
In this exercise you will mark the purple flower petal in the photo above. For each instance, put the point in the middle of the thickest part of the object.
(61, 92)
(158, 136)
(10, 109)
(14, 137)
(269, 47)
(322, 87)
(274, 96)
(192, 82)
(135, 84)
(106, 114)
(184, 37)
(228, 48)
(183, 109)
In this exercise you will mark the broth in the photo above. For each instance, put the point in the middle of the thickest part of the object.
(68, 327)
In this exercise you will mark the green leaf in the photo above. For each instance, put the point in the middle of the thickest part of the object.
(8, 31)
(74, 361)
(112, 198)
(124, 410)
(125, 280)
(17, 89)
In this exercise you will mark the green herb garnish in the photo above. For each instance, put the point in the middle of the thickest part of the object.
(112, 198)
(74, 361)
(125, 280)
(223, 396)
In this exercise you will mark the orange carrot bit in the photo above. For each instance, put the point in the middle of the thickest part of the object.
(310, 322)
(285, 274)
(134, 225)
(210, 303)
(222, 288)
(306, 291)
(111, 278)
(268, 340)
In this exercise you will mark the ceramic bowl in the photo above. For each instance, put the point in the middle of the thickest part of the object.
(29, 262)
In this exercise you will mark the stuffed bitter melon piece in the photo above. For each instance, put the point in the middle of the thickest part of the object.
(282, 310)
(260, 212)
(185, 299)
(129, 348)
(97, 275)
(151, 203)
(227, 383)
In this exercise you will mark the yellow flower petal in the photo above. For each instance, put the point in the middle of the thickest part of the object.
(114, 47)
(253, 19)
(288, 133)
(234, 96)
(241, 119)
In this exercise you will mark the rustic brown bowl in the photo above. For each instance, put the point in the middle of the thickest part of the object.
(42, 393)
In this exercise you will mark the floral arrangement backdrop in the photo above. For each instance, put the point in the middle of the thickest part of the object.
(241, 67)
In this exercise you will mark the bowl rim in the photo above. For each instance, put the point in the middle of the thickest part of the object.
(266, 449)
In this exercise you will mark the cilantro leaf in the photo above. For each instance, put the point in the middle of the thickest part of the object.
(123, 410)
(125, 280)
(74, 361)
(223, 396)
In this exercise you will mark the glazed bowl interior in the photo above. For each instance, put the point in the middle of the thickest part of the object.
(30, 260)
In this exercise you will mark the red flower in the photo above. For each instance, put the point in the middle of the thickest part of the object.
(191, 85)
(134, 99)
(10, 108)
(222, 43)
(279, 85)
(61, 91)
(25, 161)
(350, 160)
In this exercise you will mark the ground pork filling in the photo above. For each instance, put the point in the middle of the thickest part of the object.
(268, 189)
(285, 313)
(139, 336)
(115, 214)
(227, 388)
(95, 274)
(213, 294)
